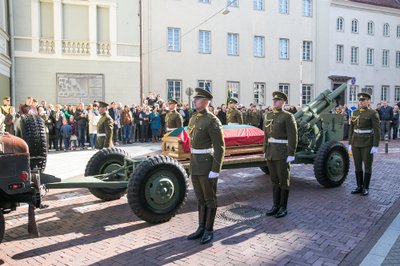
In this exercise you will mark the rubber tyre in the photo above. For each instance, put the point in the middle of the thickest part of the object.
(331, 165)
(32, 129)
(2, 225)
(265, 169)
(98, 164)
(155, 172)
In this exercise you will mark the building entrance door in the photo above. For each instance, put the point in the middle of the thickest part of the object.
(340, 100)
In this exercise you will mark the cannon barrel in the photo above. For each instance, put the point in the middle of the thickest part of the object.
(323, 103)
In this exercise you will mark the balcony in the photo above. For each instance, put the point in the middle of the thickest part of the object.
(104, 48)
(46, 46)
(75, 47)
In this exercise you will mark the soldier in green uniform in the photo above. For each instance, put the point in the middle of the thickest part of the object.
(280, 131)
(173, 119)
(364, 135)
(105, 128)
(207, 154)
(233, 115)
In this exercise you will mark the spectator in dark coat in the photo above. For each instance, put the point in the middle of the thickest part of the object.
(66, 132)
(81, 118)
(222, 114)
(386, 117)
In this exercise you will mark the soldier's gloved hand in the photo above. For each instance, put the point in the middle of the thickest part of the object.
(374, 150)
(290, 159)
(213, 174)
(349, 148)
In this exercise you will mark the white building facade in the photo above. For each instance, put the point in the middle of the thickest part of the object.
(364, 44)
(67, 51)
(5, 59)
(251, 51)
(265, 45)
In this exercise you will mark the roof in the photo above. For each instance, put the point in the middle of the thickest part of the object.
(385, 3)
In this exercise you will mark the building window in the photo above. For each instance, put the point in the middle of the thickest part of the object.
(371, 28)
(258, 4)
(259, 46)
(385, 93)
(370, 56)
(284, 87)
(283, 48)
(354, 55)
(397, 58)
(174, 89)
(259, 93)
(205, 84)
(353, 93)
(339, 24)
(205, 1)
(234, 3)
(369, 90)
(385, 58)
(398, 31)
(307, 8)
(386, 30)
(397, 94)
(354, 26)
(174, 42)
(283, 6)
(306, 94)
(233, 44)
(307, 50)
(339, 53)
(205, 42)
(233, 89)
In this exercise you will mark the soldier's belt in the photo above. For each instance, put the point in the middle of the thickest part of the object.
(101, 134)
(201, 151)
(281, 141)
(362, 131)
(233, 123)
(170, 129)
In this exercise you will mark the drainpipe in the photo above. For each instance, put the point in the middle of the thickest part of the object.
(12, 44)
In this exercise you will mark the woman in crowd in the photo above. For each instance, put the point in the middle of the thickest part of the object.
(94, 117)
(155, 124)
(126, 123)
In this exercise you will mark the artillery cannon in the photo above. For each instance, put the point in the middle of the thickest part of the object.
(157, 186)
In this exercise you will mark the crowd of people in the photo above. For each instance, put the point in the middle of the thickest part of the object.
(71, 127)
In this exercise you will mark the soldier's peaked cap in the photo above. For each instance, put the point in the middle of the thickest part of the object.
(6, 98)
(363, 95)
(279, 96)
(233, 100)
(202, 93)
(172, 101)
(102, 104)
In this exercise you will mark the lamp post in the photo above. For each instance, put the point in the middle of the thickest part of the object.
(140, 53)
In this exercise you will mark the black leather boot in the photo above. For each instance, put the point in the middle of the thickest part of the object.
(202, 222)
(276, 197)
(359, 179)
(209, 233)
(283, 206)
(367, 179)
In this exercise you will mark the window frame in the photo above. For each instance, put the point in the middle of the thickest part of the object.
(256, 100)
(355, 26)
(371, 30)
(370, 90)
(372, 50)
(386, 30)
(173, 39)
(307, 56)
(255, 49)
(229, 45)
(306, 97)
(340, 24)
(256, 4)
(353, 94)
(385, 89)
(398, 59)
(398, 31)
(341, 46)
(385, 58)
(309, 11)
(232, 3)
(201, 49)
(287, 41)
(236, 85)
(285, 88)
(205, 82)
(396, 93)
(174, 87)
(280, 7)
(354, 54)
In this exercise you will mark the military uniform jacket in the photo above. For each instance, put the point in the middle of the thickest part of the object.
(173, 119)
(364, 119)
(205, 131)
(280, 125)
(234, 116)
(105, 126)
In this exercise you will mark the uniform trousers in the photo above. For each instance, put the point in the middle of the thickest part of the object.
(363, 155)
(206, 190)
(279, 171)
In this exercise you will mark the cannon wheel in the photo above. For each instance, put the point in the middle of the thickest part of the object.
(265, 169)
(31, 128)
(331, 165)
(157, 189)
(106, 161)
(2, 225)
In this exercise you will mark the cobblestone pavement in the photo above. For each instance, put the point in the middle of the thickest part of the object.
(324, 226)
